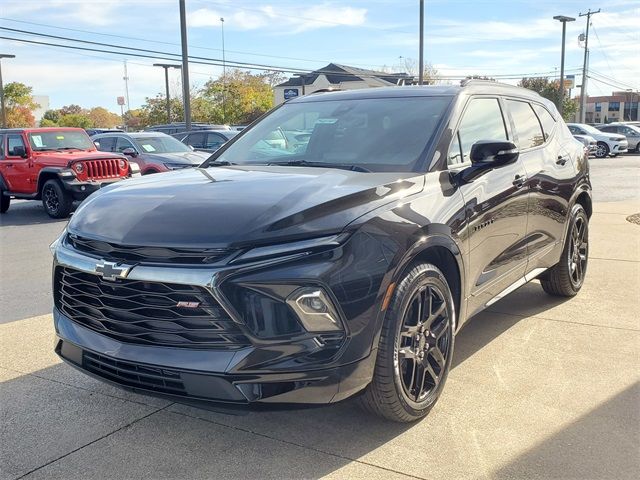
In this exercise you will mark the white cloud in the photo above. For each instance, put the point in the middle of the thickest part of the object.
(293, 19)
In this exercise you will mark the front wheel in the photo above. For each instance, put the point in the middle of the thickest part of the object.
(416, 347)
(565, 278)
(602, 150)
(57, 203)
(5, 201)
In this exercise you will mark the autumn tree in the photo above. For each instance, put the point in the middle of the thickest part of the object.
(75, 120)
(550, 90)
(19, 105)
(102, 118)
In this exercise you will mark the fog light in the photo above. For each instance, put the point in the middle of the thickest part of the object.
(315, 309)
(79, 167)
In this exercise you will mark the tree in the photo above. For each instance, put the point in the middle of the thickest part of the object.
(51, 116)
(45, 122)
(19, 104)
(550, 90)
(429, 74)
(101, 117)
(154, 110)
(75, 120)
(70, 109)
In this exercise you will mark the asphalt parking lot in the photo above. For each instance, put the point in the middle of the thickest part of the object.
(540, 387)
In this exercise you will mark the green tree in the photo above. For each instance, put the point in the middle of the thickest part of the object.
(154, 110)
(550, 90)
(45, 122)
(19, 105)
(52, 116)
(70, 109)
(75, 120)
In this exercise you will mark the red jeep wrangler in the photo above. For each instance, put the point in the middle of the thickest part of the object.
(57, 165)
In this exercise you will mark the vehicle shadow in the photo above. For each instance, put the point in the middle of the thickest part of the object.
(27, 212)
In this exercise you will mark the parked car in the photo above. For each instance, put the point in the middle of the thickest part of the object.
(608, 143)
(631, 132)
(589, 143)
(96, 131)
(178, 127)
(153, 151)
(55, 165)
(310, 276)
(206, 140)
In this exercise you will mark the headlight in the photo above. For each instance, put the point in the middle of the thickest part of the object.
(315, 309)
(78, 167)
(122, 164)
(56, 242)
(312, 245)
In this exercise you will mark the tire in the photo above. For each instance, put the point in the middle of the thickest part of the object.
(638, 148)
(408, 345)
(5, 201)
(565, 279)
(57, 203)
(602, 150)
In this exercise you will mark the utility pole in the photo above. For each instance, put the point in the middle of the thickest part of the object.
(421, 59)
(564, 20)
(185, 66)
(126, 89)
(224, 75)
(4, 113)
(166, 67)
(583, 88)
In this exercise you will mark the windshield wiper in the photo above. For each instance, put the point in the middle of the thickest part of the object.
(222, 163)
(68, 148)
(306, 163)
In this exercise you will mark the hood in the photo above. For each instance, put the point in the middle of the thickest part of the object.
(615, 136)
(67, 156)
(222, 207)
(183, 158)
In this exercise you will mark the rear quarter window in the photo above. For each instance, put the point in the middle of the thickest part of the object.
(528, 129)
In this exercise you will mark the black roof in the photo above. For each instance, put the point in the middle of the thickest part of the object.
(336, 74)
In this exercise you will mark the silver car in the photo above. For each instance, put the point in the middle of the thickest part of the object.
(632, 132)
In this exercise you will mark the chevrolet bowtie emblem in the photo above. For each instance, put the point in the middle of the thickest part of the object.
(111, 271)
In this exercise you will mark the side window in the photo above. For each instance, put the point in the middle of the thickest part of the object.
(14, 141)
(122, 143)
(196, 140)
(2, 147)
(526, 123)
(482, 120)
(214, 141)
(547, 121)
(107, 144)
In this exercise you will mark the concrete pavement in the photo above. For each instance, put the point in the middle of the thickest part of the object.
(541, 388)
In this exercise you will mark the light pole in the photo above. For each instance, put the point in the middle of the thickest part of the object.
(185, 66)
(564, 20)
(166, 67)
(421, 54)
(224, 74)
(4, 113)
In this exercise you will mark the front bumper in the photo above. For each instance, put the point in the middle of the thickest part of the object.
(82, 189)
(621, 147)
(201, 377)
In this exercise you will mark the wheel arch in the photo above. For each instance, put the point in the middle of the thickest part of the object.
(44, 175)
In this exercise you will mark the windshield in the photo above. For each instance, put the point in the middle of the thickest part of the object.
(161, 144)
(377, 135)
(60, 140)
(590, 129)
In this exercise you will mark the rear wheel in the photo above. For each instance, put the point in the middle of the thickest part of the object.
(565, 279)
(5, 201)
(602, 150)
(57, 203)
(416, 347)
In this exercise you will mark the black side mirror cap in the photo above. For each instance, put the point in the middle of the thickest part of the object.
(19, 151)
(487, 155)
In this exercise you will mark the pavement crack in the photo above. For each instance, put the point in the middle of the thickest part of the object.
(93, 441)
(522, 315)
(306, 447)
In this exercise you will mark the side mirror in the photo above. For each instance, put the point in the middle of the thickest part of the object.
(19, 151)
(130, 152)
(97, 144)
(191, 147)
(487, 155)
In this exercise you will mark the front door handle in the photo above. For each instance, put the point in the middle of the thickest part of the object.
(562, 160)
(519, 180)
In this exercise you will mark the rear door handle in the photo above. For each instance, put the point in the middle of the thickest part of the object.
(562, 160)
(519, 180)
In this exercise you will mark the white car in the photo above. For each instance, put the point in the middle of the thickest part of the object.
(608, 143)
(590, 143)
(632, 132)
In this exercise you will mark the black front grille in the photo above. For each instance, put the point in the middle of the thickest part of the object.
(134, 375)
(150, 313)
(123, 253)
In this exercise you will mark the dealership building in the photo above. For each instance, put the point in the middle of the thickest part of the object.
(337, 77)
(618, 107)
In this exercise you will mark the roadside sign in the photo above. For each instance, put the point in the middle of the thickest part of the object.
(120, 101)
(570, 81)
(290, 93)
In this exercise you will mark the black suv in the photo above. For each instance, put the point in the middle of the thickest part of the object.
(307, 273)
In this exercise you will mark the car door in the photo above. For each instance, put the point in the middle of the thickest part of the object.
(196, 140)
(496, 206)
(550, 178)
(16, 169)
(633, 136)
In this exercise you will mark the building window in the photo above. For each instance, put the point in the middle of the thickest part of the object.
(598, 107)
(614, 106)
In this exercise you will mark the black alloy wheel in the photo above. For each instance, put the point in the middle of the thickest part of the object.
(57, 203)
(565, 279)
(416, 347)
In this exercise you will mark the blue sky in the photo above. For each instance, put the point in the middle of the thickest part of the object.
(462, 37)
